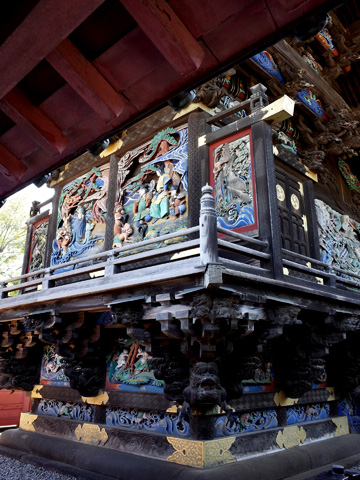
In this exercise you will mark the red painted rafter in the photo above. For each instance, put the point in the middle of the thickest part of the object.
(168, 33)
(48, 23)
(31, 119)
(10, 164)
(83, 77)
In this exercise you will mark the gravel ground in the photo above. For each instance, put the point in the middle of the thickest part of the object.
(11, 469)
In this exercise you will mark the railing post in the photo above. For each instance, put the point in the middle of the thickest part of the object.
(46, 281)
(110, 267)
(208, 239)
(3, 294)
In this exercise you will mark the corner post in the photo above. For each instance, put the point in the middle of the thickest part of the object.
(209, 255)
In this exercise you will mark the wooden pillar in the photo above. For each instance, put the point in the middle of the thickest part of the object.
(269, 225)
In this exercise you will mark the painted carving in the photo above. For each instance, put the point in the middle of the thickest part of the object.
(307, 413)
(246, 422)
(351, 409)
(310, 101)
(266, 61)
(351, 180)
(130, 369)
(165, 423)
(338, 238)
(81, 218)
(38, 244)
(234, 86)
(52, 368)
(308, 57)
(327, 41)
(71, 410)
(233, 183)
(153, 201)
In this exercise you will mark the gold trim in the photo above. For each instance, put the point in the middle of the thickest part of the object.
(280, 399)
(342, 426)
(35, 393)
(172, 409)
(291, 437)
(91, 434)
(331, 391)
(201, 454)
(216, 452)
(191, 108)
(26, 422)
(101, 399)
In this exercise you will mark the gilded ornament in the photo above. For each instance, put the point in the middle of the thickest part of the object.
(172, 409)
(91, 434)
(280, 399)
(26, 422)
(280, 193)
(36, 391)
(295, 201)
(331, 394)
(216, 452)
(342, 426)
(101, 399)
(201, 454)
(291, 437)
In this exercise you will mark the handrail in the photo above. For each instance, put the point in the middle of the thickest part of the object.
(126, 248)
(241, 236)
(244, 250)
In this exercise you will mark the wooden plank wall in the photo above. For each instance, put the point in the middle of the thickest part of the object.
(11, 406)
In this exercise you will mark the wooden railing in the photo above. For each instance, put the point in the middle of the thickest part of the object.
(210, 245)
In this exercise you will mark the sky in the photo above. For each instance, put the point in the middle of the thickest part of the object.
(32, 193)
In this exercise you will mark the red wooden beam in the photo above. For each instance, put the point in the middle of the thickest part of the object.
(83, 77)
(48, 23)
(168, 33)
(30, 118)
(9, 162)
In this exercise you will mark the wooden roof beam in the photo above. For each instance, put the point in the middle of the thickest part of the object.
(168, 33)
(48, 23)
(10, 164)
(83, 77)
(30, 118)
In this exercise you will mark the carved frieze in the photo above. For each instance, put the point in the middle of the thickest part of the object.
(339, 239)
(153, 201)
(81, 217)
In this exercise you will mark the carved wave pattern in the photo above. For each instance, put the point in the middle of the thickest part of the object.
(165, 423)
(246, 422)
(71, 410)
(351, 409)
(307, 413)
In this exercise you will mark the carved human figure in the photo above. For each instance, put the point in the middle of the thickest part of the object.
(177, 203)
(141, 207)
(79, 225)
(159, 207)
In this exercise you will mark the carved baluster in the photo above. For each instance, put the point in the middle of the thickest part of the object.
(208, 239)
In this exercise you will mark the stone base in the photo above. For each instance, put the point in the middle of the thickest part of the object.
(182, 450)
(102, 463)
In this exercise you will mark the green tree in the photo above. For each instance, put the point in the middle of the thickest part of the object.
(12, 236)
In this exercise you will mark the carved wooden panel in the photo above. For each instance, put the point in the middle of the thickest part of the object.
(38, 245)
(233, 181)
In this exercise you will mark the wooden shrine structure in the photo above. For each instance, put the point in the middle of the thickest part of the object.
(191, 298)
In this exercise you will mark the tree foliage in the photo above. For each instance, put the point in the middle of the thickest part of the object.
(12, 236)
